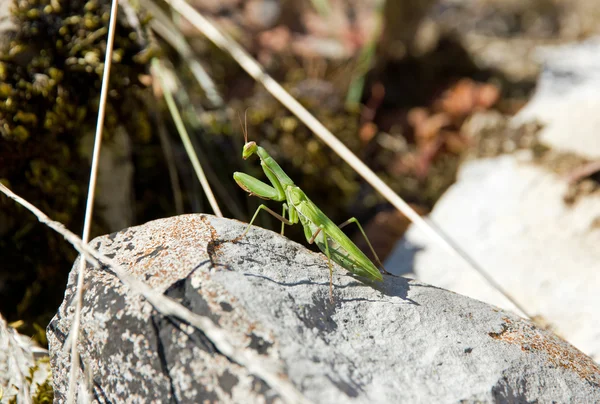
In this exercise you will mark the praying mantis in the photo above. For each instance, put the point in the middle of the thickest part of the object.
(318, 228)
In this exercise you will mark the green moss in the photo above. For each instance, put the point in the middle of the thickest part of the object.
(42, 393)
(50, 76)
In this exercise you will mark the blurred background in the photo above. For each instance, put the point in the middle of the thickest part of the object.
(416, 88)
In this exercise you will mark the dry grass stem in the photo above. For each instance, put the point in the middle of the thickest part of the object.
(89, 209)
(160, 72)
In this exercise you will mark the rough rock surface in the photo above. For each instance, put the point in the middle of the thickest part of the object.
(399, 341)
(511, 218)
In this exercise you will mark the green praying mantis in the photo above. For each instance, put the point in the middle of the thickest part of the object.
(318, 228)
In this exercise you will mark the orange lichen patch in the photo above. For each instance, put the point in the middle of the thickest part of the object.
(558, 352)
(173, 249)
(213, 233)
(189, 228)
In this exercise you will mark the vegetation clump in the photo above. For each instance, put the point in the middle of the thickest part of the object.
(50, 76)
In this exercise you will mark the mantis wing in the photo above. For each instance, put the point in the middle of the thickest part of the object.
(341, 249)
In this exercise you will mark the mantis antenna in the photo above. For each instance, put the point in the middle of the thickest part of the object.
(245, 125)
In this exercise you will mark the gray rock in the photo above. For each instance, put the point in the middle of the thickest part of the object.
(398, 341)
(510, 216)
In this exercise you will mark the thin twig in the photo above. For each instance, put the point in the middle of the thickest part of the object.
(583, 171)
(365, 61)
(254, 69)
(268, 372)
(89, 209)
(190, 116)
(185, 138)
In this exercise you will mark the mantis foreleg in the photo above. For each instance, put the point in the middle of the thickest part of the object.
(254, 186)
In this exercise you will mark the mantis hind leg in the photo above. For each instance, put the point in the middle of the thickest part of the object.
(354, 220)
(283, 216)
(276, 215)
(312, 239)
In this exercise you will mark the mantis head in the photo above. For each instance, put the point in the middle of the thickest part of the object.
(249, 149)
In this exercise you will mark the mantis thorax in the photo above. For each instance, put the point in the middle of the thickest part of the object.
(295, 195)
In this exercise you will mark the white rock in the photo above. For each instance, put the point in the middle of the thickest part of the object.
(23, 366)
(567, 98)
(510, 216)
